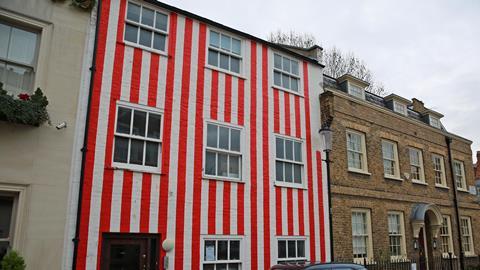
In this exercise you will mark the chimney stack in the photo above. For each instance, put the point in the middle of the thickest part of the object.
(477, 166)
(418, 106)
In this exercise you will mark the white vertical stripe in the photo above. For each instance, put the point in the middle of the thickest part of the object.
(233, 208)
(219, 208)
(204, 208)
(295, 211)
(162, 79)
(281, 109)
(235, 100)
(144, 78)
(154, 203)
(292, 116)
(221, 96)
(271, 155)
(207, 97)
(116, 200)
(136, 202)
(259, 146)
(126, 73)
(284, 211)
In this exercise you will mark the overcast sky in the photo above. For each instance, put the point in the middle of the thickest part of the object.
(428, 49)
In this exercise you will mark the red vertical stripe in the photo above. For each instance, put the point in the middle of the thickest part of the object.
(266, 159)
(126, 207)
(321, 209)
(214, 96)
(276, 111)
(228, 98)
(278, 207)
(212, 205)
(92, 133)
(167, 128)
(298, 126)
(253, 155)
(290, 211)
(153, 80)
(287, 114)
(136, 74)
(241, 209)
(226, 207)
(145, 203)
(197, 169)
(301, 215)
(241, 102)
(309, 163)
(182, 146)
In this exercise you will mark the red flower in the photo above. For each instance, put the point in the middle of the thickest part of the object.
(24, 97)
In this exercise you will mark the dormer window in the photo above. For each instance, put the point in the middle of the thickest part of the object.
(399, 108)
(435, 122)
(356, 91)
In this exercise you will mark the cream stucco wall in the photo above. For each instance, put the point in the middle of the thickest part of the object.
(38, 160)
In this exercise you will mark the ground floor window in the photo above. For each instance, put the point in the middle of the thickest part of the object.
(467, 240)
(396, 234)
(291, 250)
(361, 234)
(446, 236)
(9, 207)
(220, 253)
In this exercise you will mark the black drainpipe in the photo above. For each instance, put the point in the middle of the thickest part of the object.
(84, 149)
(455, 202)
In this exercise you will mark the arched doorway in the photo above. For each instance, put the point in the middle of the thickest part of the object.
(426, 222)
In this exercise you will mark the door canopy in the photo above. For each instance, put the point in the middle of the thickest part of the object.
(422, 211)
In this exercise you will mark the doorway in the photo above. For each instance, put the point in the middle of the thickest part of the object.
(130, 251)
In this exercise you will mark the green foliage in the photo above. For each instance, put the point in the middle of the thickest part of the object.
(31, 110)
(12, 261)
(84, 4)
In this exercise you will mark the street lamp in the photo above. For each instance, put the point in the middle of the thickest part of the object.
(326, 134)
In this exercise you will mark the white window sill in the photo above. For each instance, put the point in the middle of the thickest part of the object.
(470, 255)
(418, 182)
(392, 177)
(463, 190)
(441, 186)
(224, 179)
(289, 185)
(358, 171)
(135, 169)
(134, 45)
(207, 66)
(287, 90)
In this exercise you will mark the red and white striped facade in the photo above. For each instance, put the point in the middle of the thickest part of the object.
(179, 202)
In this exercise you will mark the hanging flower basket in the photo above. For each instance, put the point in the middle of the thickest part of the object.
(24, 109)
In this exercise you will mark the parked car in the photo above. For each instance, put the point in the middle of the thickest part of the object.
(319, 266)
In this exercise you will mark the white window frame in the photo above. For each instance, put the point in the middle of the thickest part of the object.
(290, 238)
(447, 234)
(443, 180)
(204, 238)
(469, 235)
(396, 168)
(403, 249)
(218, 150)
(434, 122)
(352, 93)
(301, 163)
(150, 28)
(396, 108)
(420, 166)
(19, 196)
(241, 57)
(364, 161)
(292, 75)
(463, 181)
(136, 167)
(368, 235)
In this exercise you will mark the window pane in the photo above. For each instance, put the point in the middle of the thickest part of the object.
(286, 64)
(131, 33)
(297, 174)
(294, 83)
(213, 58)
(23, 45)
(159, 41)
(236, 46)
(292, 253)
(222, 250)
(161, 21)
(294, 67)
(223, 137)
(289, 149)
(139, 122)
(121, 150)
(279, 143)
(235, 140)
(18, 79)
(154, 123)
(145, 38)
(151, 157)
(235, 64)
(233, 266)
(300, 248)
(208, 267)
(224, 61)
(123, 120)
(286, 81)
(234, 250)
(210, 160)
(4, 39)
(133, 12)
(225, 42)
(221, 266)
(234, 165)
(147, 16)
(136, 152)
(212, 135)
(6, 207)
(279, 170)
(222, 165)
(277, 78)
(209, 251)
(298, 151)
(214, 39)
(277, 61)
(288, 172)
(282, 249)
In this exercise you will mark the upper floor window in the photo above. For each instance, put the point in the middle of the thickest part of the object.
(439, 170)
(361, 234)
(356, 151)
(396, 234)
(291, 250)
(459, 171)
(446, 235)
(289, 162)
(285, 72)
(222, 253)
(223, 156)
(467, 239)
(390, 159)
(146, 27)
(435, 122)
(225, 52)
(416, 165)
(399, 107)
(137, 137)
(18, 56)
(356, 91)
